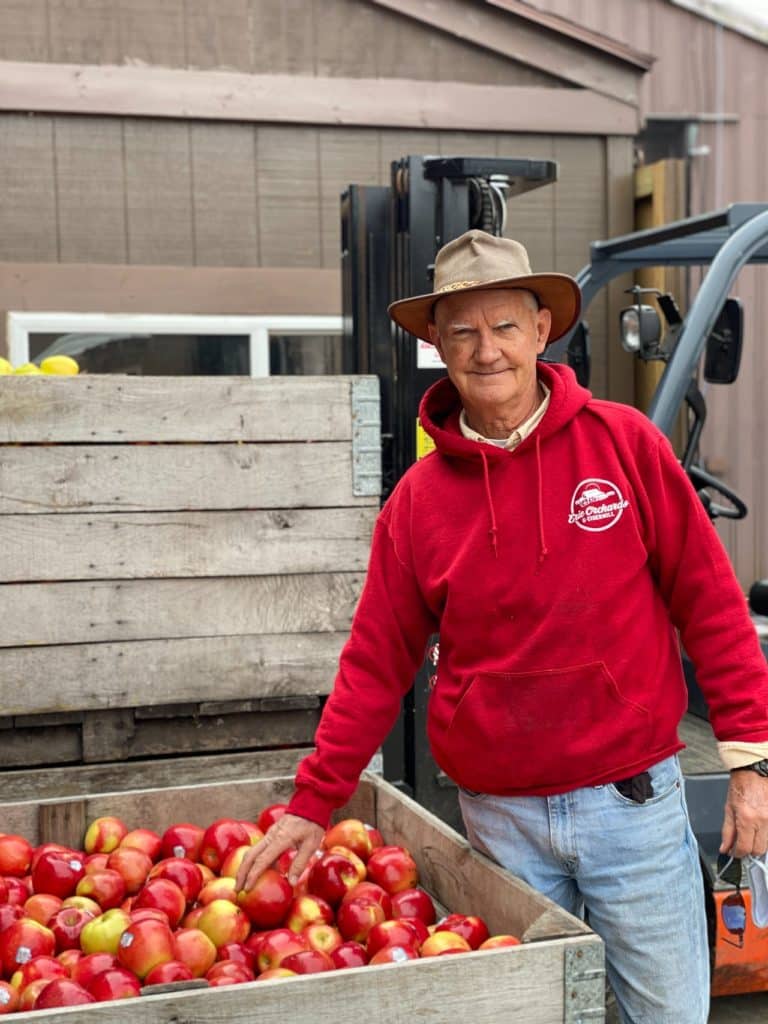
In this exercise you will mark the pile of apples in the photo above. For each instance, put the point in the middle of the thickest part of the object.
(135, 908)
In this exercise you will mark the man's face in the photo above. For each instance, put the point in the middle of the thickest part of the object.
(489, 341)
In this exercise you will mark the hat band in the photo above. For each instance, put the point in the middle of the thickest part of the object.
(456, 285)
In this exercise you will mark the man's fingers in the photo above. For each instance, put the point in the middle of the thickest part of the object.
(289, 832)
(728, 835)
(305, 850)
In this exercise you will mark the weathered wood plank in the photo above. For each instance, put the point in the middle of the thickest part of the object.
(36, 784)
(143, 673)
(100, 409)
(117, 735)
(136, 478)
(28, 196)
(72, 613)
(24, 747)
(164, 544)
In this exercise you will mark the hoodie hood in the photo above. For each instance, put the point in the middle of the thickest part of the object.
(439, 416)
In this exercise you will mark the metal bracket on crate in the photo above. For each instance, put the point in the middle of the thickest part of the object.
(366, 437)
(584, 977)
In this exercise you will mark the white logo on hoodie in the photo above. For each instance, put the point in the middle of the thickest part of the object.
(596, 505)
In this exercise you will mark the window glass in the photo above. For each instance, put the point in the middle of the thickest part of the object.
(157, 355)
(309, 354)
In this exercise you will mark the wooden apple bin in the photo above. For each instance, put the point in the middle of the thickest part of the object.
(556, 975)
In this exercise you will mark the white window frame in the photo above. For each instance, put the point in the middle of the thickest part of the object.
(258, 328)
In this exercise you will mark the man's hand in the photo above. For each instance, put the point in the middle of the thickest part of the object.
(745, 826)
(288, 832)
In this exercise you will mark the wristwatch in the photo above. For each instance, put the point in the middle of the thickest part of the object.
(761, 767)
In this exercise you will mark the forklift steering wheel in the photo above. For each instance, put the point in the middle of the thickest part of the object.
(736, 509)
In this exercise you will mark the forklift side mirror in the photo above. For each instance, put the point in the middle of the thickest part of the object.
(723, 353)
(578, 354)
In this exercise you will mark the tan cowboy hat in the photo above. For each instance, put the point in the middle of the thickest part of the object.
(477, 260)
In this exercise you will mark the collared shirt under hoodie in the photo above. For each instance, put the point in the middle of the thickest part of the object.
(518, 435)
(558, 576)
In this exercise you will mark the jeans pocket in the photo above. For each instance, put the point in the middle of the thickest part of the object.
(665, 779)
(472, 794)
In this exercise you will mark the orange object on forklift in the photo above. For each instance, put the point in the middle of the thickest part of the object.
(741, 956)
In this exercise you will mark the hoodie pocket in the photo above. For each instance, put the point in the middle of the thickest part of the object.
(549, 729)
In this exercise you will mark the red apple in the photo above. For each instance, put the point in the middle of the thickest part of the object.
(171, 970)
(17, 891)
(102, 935)
(304, 910)
(284, 861)
(57, 873)
(232, 862)
(144, 945)
(148, 914)
(22, 940)
(223, 922)
(389, 933)
(270, 815)
(68, 958)
(413, 903)
(472, 928)
(349, 954)
(344, 851)
(88, 967)
(239, 952)
(185, 873)
(268, 900)
(41, 907)
(441, 942)
(355, 918)
(352, 834)
(162, 894)
(417, 926)
(277, 945)
(377, 840)
(275, 973)
(190, 920)
(218, 889)
(394, 955)
(369, 890)
(331, 877)
(114, 983)
(106, 886)
(95, 862)
(497, 941)
(205, 871)
(82, 903)
(67, 924)
(9, 998)
(28, 997)
(254, 832)
(38, 967)
(308, 961)
(193, 948)
(143, 839)
(3, 891)
(9, 912)
(220, 838)
(183, 840)
(323, 937)
(393, 868)
(227, 972)
(133, 864)
(62, 992)
(15, 855)
(104, 835)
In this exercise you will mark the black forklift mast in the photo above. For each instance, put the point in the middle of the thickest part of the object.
(390, 237)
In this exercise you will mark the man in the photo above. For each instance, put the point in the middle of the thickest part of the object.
(558, 547)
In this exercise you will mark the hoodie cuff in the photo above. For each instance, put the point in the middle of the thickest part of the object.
(307, 803)
(736, 754)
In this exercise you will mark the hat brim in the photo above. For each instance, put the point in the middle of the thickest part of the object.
(559, 293)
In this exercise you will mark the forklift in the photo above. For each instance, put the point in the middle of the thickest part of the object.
(390, 236)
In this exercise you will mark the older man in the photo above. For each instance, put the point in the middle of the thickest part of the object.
(559, 549)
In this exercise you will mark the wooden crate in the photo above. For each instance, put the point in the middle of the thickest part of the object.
(180, 558)
(557, 975)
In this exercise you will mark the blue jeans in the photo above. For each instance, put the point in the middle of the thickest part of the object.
(634, 867)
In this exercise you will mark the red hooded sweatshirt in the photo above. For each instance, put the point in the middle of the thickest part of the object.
(557, 575)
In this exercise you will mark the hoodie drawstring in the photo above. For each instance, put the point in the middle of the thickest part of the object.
(543, 552)
(493, 530)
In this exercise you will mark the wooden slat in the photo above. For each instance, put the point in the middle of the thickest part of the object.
(72, 613)
(111, 408)
(85, 32)
(189, 544)
(28, 228)
(219, 35)
(138, 478)
(288, 182)
(77, 780)
(23, 30)
(27, 747)
(134, 674)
